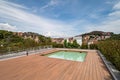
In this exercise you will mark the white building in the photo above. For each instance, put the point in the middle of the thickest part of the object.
(78, 39)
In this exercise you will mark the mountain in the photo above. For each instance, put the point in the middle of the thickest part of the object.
(99, 33)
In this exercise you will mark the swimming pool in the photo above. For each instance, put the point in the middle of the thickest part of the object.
(68, 55)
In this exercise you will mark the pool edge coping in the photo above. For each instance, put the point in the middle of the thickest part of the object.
(43, 54)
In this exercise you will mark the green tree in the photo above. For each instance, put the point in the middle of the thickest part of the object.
(55, 45)
(13, 42)
(69, 45)
(75, 44)
(93, 46)
(65, 43)
(111, 50)
(84, 46)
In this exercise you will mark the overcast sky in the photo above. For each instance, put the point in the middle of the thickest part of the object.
(60, 18)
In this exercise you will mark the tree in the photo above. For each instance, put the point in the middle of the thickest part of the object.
(84, 46)
(69, 45)
(111, 50)
(9, 40)
(93, 46)
(115, 37)
(65, 43)
(55, 45)
(75, 44)
(1, 36)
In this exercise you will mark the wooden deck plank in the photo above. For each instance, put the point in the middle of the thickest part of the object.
(87, 75)
(36, 67)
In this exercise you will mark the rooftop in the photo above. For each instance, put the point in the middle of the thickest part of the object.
(36, 67)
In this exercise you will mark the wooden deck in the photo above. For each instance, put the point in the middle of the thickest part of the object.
(36, 67)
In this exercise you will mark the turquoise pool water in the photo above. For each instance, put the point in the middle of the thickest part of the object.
(68, 55)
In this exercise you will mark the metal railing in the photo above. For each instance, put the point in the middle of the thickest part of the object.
(107, 65)
(22, 52)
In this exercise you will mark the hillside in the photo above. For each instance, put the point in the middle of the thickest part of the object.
(99, 33)
(13, 41)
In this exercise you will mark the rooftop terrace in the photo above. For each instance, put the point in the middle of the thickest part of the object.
(36, 67)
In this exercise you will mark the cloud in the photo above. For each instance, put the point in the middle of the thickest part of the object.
(24, 20)
(115, 14)
(110, 23)
(50, 4)
(56, 34)
(109, 26)
(117, 6)
(116, 11)
(6, 26)
(27, 21)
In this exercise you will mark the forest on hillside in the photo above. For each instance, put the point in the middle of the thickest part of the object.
(12, 42)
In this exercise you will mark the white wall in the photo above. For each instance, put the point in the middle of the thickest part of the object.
(78, 39)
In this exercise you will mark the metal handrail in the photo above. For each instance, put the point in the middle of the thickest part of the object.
(108, 67)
